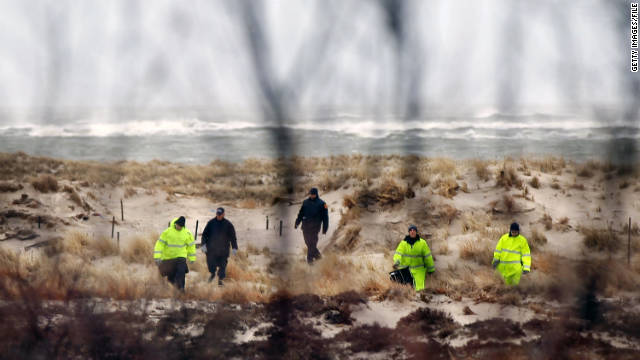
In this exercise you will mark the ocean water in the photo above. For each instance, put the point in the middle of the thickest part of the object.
(199, 140)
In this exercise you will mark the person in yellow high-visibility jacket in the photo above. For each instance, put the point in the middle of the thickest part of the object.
(413, 252)
(172, 249)
(512, 256)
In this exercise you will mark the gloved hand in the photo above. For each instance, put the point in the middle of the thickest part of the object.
(234, 251)
(396, 265)
(204, 248)
(192, 261)
(324, 232)
(526, 272)
(494, 265)
(158, 261)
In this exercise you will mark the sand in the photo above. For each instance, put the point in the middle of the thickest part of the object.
(149, 210)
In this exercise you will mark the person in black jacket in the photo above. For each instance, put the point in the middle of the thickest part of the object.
(216, 238)
(312, 215)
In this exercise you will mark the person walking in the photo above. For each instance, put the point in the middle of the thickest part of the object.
(217, 236)
(313, 215)
(512, 256)
(172, 249)
(414, 253)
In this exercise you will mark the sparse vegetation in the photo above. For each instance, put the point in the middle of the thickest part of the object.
(140, 249)
(585, 171)
(537, 240)
(600, 239)
(447, 213)
(45, 183)
(547, 221)
(446, 186)
(482, 169)
(509, 203)
(7, 186)
(535, 182)
(508, 177)
(479, 251)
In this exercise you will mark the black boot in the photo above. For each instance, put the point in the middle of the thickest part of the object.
(211, 277)
(220, 283)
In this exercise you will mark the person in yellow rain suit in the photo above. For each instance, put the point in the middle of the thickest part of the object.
(413, 252)
(172, 249)
(512, 256)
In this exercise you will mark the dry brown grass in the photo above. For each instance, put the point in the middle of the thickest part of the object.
(70, 272)
(547, 221)
(547, 164)
(73, 195)
(474, 222)
(535, 182)
(45, 183)
(247, 204)
(446, 186)
(577, 186)
(481, 169)
(447, 213)
(349, 201)
(509, 204)
(7, 186)
(537, 240)
(349, 216)
(600, 239)
(442, 166)
(546, 262)
(104, 246)
(75, 243)
(388, 193)
(479, 251)
(585, 171)
(130, 192)
(507, 177)
(140, 249)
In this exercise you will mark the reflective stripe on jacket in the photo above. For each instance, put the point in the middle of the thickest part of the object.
(175, 244)
(417, 258)
(512, 255)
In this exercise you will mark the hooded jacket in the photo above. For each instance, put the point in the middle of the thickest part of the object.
(174, 243)
(415, 254)
(218, 235)
(511, 257)
(313, 213)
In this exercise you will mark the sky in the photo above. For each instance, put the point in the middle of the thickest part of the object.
(340, 55)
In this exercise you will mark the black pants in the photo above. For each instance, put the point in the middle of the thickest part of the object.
(174, 270)
(310, 233)
(217, 262)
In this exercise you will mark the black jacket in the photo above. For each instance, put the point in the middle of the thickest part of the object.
(313, 213)
(411, 240)
(217, 236)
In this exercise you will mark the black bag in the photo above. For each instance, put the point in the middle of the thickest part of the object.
(402, 276)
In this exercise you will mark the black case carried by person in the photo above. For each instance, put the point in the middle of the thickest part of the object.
(402, 276)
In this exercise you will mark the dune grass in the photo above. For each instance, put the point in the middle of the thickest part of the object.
(601, 239)
(375, 183)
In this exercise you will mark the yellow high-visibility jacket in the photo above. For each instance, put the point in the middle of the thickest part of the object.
(175, 244)
(417, 258)
(512, 256)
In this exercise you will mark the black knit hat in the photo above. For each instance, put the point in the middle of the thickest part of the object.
(413, 227)
(515, 227)
(313, 191)
(180, 221)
